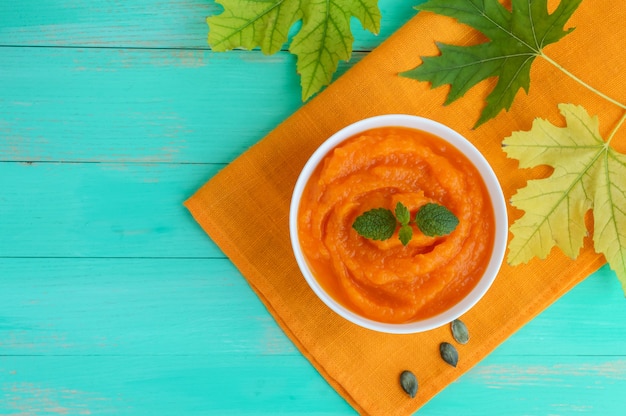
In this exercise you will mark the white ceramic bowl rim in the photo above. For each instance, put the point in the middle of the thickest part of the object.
(493, 188)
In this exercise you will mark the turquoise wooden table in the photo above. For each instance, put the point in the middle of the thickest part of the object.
(113, 301)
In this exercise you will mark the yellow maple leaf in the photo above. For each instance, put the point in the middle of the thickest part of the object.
(588, 174)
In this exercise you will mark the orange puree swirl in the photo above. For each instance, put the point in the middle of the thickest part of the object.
(384, 280)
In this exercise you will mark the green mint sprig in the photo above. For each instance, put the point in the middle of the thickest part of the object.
(376, 224)
(404, 217)
(435, 220)
(380, 223)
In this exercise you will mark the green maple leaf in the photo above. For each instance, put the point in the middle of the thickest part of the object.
(323, 39)
(516, 38)
(588, 174)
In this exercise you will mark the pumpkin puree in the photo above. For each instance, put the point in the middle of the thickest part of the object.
(384, 280)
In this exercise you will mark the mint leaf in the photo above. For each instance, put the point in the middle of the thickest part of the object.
(402, 214)
(405, 234)
(380, 223)
(376, 224)
(435, 220)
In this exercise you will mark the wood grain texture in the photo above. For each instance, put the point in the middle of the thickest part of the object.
(188, 334)
(113, 301)
(121, 105)
(176, 24)
(101, 210)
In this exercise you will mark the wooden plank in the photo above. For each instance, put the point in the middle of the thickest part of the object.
(106, 23)
(133, 307)
(101, 210)
(536, 385)
(140, 105)
(205, 307)
(153, 336)
(165, 385)
(176, 24)
(269, 385)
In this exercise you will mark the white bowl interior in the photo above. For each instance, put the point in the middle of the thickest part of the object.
(493, 188)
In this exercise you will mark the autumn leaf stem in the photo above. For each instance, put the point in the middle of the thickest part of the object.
(581, 82)
(617, 127)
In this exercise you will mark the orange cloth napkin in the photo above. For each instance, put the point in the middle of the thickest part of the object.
(255, 190)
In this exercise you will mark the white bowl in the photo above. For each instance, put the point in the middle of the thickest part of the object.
(493, 188)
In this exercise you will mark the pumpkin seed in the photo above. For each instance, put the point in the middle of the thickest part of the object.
(408, 381)
(459, 331)
(449, 353)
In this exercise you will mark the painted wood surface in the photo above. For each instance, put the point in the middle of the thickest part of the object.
(113, 301)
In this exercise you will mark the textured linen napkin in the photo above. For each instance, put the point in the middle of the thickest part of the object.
(362, 365)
